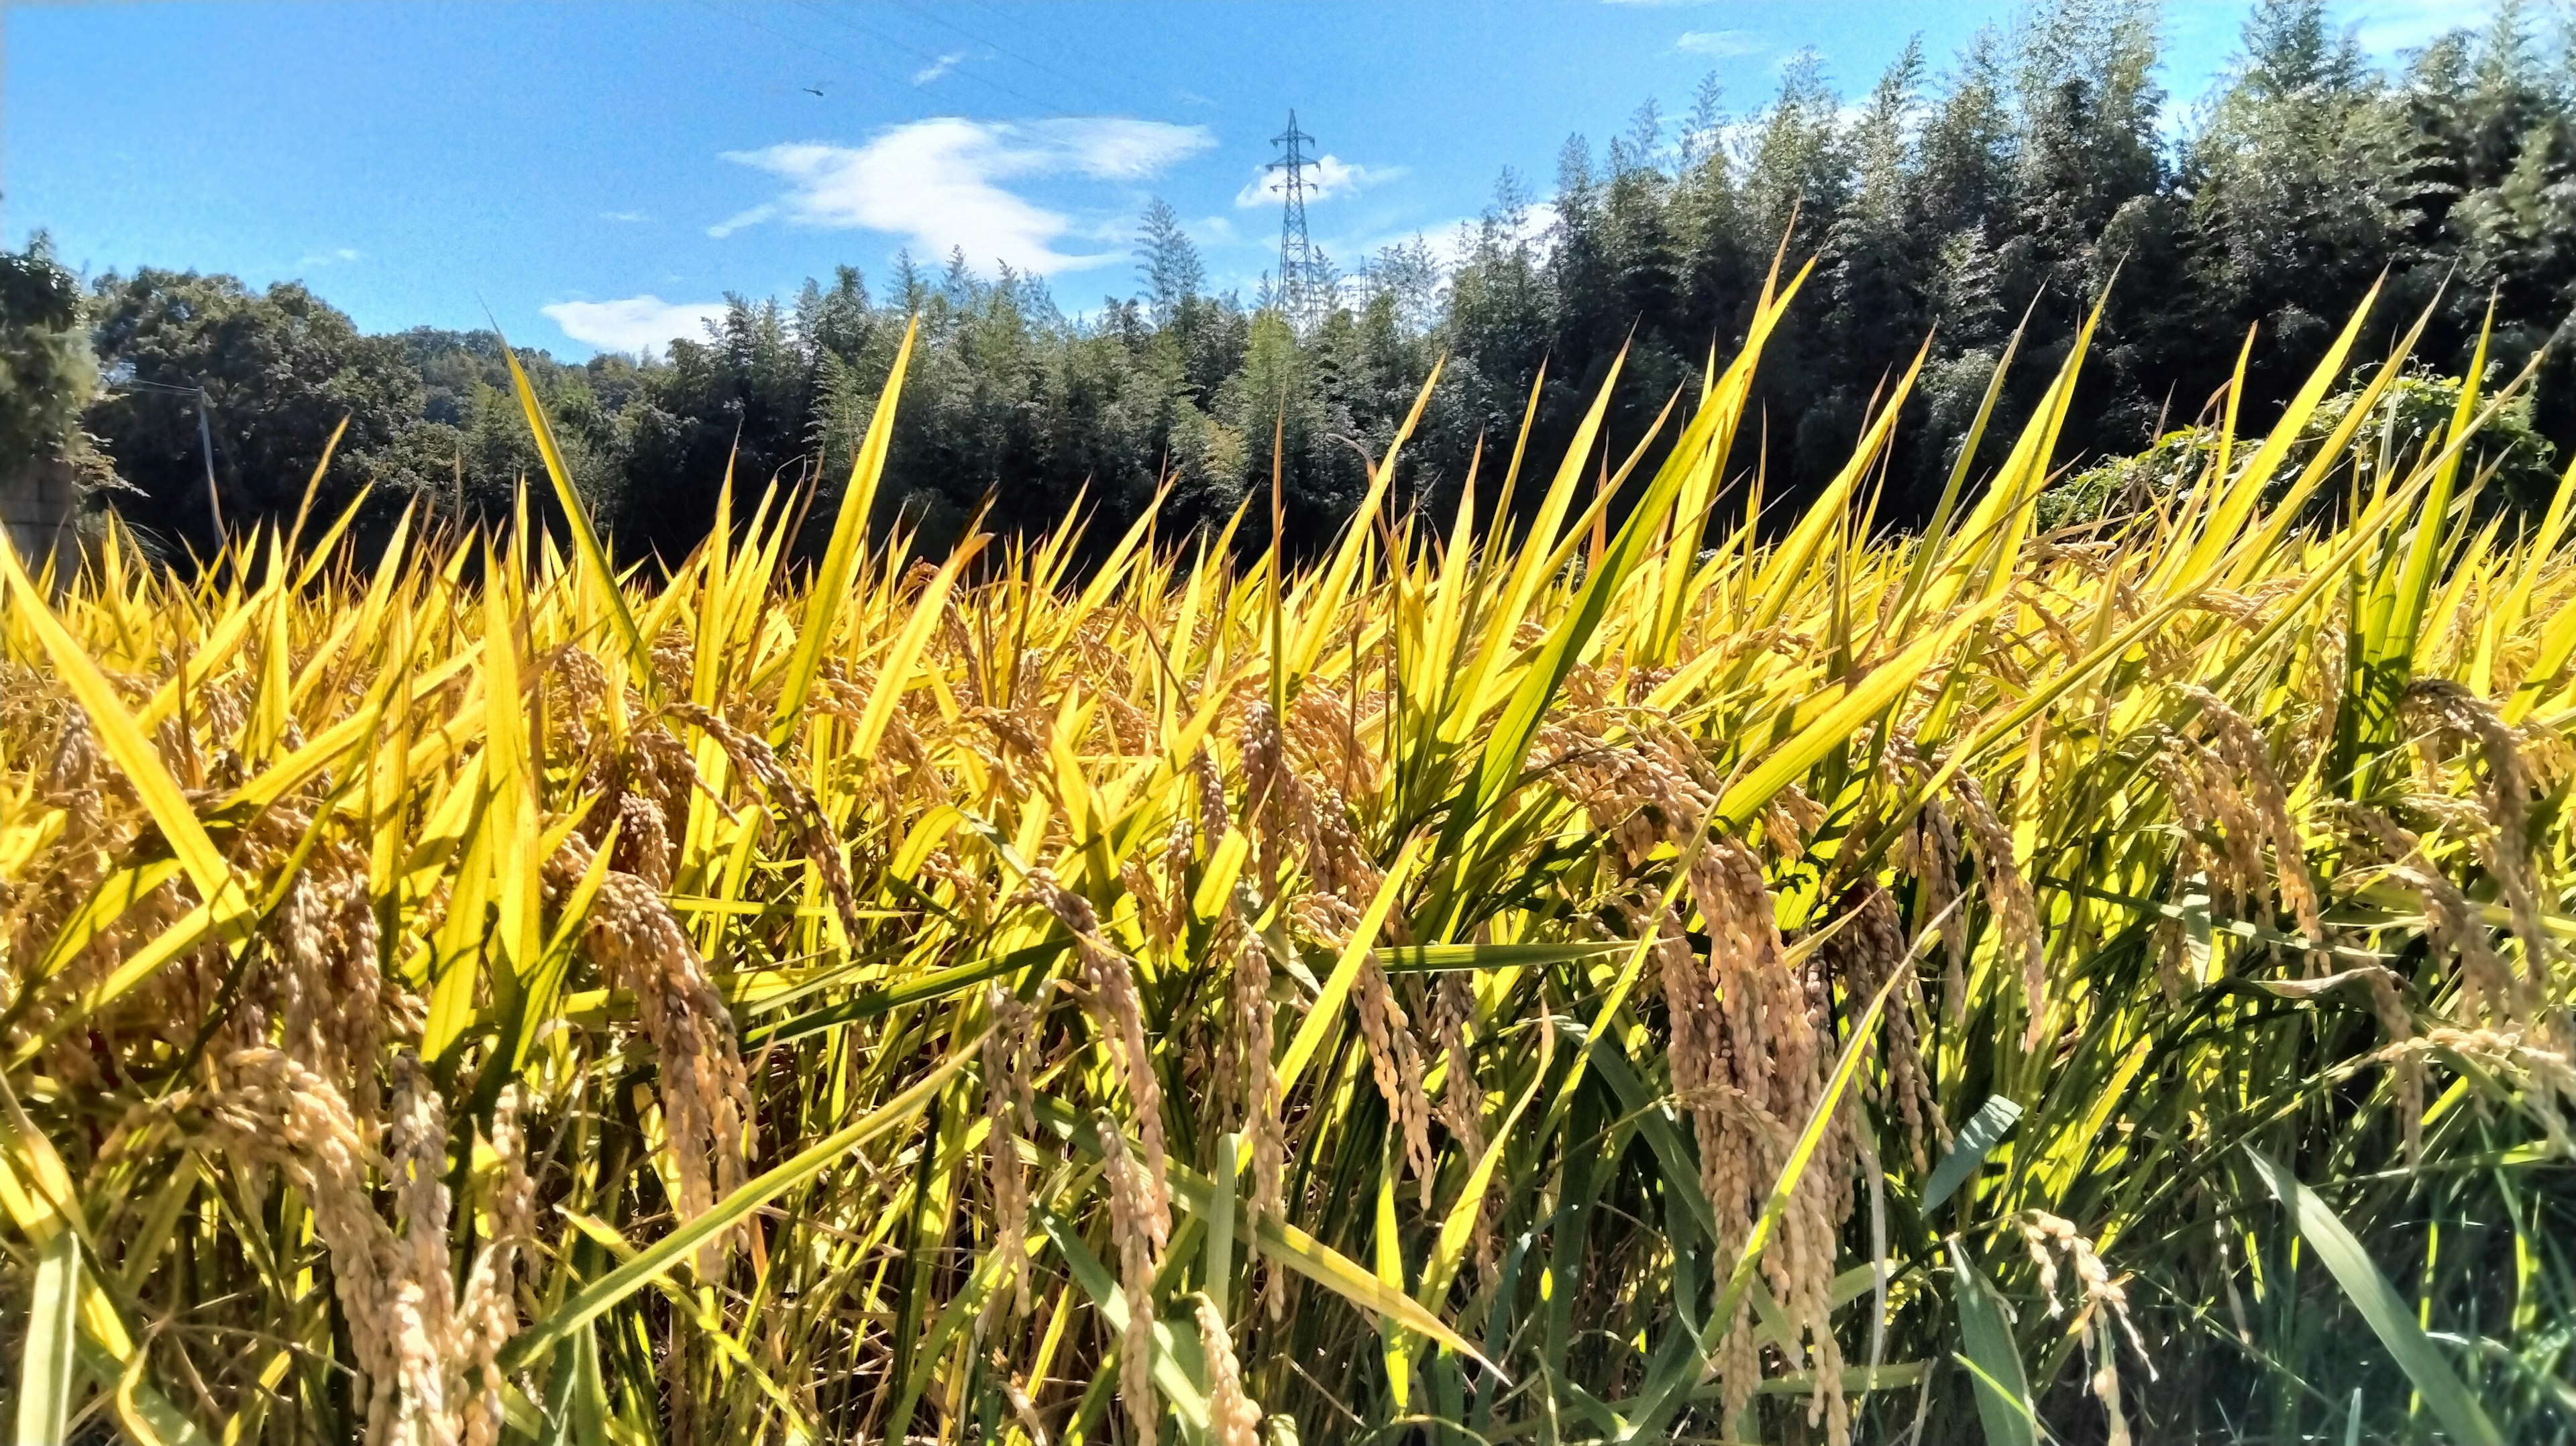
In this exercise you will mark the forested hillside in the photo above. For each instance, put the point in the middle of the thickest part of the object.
(2036, 171)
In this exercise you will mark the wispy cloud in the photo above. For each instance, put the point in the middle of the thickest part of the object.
(622, 216)
(1656, 4)
(636, 324)
(336, 256)
(2387, 27)
(938, 182)
(938, 68)
(1333, 177)
(740, 219)
(1721, 44)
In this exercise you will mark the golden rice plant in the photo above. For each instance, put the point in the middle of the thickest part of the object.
(1649, 972)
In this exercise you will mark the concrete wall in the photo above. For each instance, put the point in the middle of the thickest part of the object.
(38, 503)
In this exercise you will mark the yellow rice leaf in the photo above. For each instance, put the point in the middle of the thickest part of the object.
(126, 746)
(595, 569)
(1327, 1009)
(896, 673)
(841, 556)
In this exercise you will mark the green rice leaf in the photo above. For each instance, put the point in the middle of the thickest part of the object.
(1993, 1120)
(2387, 1313)
(1171, 1378)
(651, 1262)
(45, 1358)
(1987, 1350)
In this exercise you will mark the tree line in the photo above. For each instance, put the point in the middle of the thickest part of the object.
(2039, 169)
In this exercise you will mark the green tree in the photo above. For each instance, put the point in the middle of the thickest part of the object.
(279, 370)
(46, 375)
(1166, 261)
(2290, 184)
(2017, 181)
(46, 370)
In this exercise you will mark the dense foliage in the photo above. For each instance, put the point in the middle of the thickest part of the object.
(46, 372)
(1632, 983)
(2024, 177)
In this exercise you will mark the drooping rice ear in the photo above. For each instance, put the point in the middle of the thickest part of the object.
(2008, 896)
(1133, 1212)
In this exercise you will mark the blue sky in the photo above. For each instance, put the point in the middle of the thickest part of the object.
(598, 173)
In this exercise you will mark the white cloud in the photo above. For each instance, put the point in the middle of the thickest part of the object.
(1333, 177)
(336, 256)
(626, 216)
(1116, 148)
(1655, 4)
(1721, 44)
(740, 219)
(937, 182)
(938, 68)
(637, 324)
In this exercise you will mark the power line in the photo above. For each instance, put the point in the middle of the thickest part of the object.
(1304, 289)
(935, 60)
(205, 435)
(1005, 51)
(1088, 55)
(793, 41)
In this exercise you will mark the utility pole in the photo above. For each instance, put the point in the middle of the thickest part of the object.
(1302, 282)
(206, 444)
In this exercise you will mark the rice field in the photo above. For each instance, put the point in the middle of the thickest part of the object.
(1629, 976)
